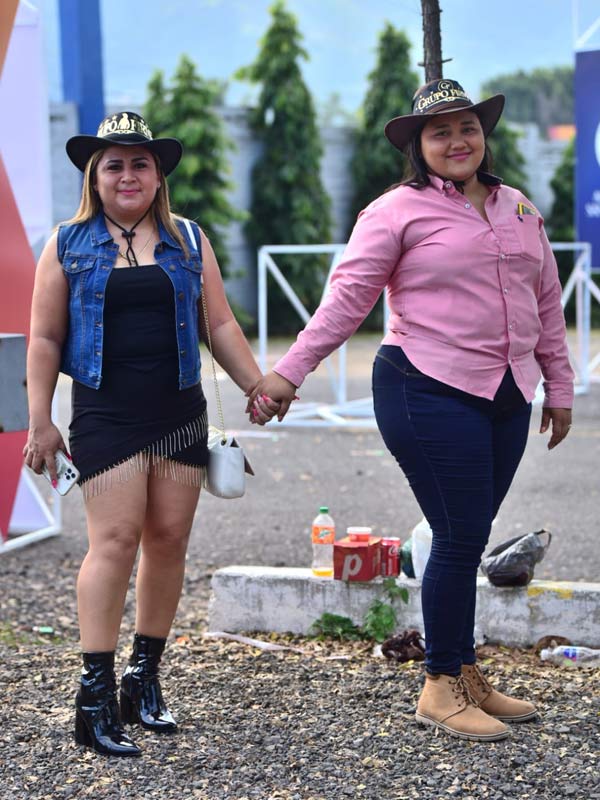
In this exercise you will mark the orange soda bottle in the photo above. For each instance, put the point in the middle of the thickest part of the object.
(323, 536)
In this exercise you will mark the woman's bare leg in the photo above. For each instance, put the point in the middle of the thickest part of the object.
(169, 515)
(115, 520)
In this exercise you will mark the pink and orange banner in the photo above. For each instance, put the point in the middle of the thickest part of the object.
(17, 269)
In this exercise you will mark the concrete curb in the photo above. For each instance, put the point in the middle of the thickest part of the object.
(290, 600)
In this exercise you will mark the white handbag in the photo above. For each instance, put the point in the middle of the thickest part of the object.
(226, 473)
(227, 463)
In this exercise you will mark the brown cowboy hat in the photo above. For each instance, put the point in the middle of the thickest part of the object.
(128, 128)
(442, 96)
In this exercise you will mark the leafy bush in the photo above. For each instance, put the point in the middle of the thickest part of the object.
(380, 620)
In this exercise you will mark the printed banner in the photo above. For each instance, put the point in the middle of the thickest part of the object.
(587, 170)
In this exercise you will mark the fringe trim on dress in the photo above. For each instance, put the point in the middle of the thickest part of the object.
(156, 458)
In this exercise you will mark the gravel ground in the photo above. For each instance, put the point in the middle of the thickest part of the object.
(332, 722)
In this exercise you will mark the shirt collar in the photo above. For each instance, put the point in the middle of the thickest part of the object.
(493, 182)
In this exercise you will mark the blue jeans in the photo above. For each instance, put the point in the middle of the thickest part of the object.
(459, 453)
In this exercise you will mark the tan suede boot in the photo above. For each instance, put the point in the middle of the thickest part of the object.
(493, 702)
(445, 703)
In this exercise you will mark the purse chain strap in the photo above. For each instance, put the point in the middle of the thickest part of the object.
(207, 326)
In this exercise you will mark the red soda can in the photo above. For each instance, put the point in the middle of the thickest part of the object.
(390, 557)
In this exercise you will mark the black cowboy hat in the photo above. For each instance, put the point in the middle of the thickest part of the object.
(442, 96)
(126, 128)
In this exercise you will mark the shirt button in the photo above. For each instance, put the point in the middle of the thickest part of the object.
(180, 296)
(99, 295)
(183, 352)
(502, 256)
(98, 324)
(172, 267)
(448, 185)
(98, 353)
(505, 290)
(510, 327)
(182, 324)
(467, 205)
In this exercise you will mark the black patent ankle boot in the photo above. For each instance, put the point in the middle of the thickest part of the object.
(97, 720)
(141, 696)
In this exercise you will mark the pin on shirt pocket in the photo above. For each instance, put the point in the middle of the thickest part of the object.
(527, 228)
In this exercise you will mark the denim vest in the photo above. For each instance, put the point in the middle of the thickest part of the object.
(87, 253)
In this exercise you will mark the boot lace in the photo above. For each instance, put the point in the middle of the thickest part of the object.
(461, 690)
(481, 680)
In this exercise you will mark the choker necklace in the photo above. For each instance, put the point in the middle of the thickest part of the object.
(128, 235)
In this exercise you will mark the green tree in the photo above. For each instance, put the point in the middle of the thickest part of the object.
(392, 84)
(544, 96)
(560, 223)
(561, 220)
(199, 185)
(509, 163)
(289, 204)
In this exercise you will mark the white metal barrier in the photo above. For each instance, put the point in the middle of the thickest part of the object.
(582, 283)
(359, 413)
(34, 517)
(342, 412)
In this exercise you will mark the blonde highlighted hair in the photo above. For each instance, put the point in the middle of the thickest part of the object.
(90, 204)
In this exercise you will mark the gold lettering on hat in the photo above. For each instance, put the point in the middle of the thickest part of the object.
(124, 124)
(108, 126)
(446, 93)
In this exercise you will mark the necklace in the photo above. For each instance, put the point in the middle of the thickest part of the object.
(129, 254)
(124, 255)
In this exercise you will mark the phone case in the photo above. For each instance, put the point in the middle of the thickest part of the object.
(67, 473)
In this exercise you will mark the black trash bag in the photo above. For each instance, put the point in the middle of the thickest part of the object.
(512, 562)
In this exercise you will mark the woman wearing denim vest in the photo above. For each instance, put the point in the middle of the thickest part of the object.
(475, 318)
(115, 306)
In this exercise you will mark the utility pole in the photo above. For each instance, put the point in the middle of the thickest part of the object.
(432, 40)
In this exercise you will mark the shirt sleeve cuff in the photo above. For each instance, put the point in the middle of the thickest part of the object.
(558, 395)
(295, 368)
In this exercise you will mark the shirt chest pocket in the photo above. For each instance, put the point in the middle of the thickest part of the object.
(527, 230)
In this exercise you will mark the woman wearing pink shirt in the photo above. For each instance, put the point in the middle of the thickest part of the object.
(475, 320)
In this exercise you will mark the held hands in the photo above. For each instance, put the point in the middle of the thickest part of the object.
(42, 443)
(561, 423)
(271, 395)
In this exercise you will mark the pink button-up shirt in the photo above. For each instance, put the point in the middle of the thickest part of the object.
(467, 298)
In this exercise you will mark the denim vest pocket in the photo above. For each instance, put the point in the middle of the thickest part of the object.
(74, 263)
(193, 271)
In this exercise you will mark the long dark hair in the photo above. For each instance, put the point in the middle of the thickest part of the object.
(416, 174)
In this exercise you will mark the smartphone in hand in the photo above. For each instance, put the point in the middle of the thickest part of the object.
(67, 473)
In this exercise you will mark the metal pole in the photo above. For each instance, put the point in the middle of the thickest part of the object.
(262, 310)
(587, 316)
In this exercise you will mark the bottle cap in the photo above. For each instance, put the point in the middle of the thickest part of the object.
(357, 534)
(544, 654)
(324, 510)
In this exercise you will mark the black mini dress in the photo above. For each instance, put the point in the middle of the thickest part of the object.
(138, 420)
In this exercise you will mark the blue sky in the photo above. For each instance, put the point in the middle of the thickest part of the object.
(484, 38)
